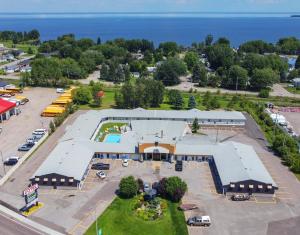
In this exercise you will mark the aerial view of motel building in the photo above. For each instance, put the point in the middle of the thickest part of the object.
(156, 135)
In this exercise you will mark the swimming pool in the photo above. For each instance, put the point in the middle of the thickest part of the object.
(112, 138)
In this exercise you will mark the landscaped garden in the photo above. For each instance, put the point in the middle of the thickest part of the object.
(135, 214)
(109, 128)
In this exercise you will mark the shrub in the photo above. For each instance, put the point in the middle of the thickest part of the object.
(128, 187)
(172, 188)
(264, 93)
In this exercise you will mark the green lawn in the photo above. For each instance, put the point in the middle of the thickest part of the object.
(119, 219)
(22, 46)
(293, 90)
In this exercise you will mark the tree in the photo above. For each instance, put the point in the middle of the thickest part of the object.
(82, 95)
(170, 71)
(223, 40)
(237, 78)
(200, 75)
(52, 126)
(297, 64)
(214, 103)
(263, 78)
(178, 102)
(257, 46)
(128, 187)
(264, 93)
(175, 188)
(220, 55)
(98, 41)
(290, 45)
(30, 51)
(195, 126)
(169, 48)
(192, 102)
(209, 39)
(191, 59)
(96, 88)
(71, 69)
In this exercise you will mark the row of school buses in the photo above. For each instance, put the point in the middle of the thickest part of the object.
(58, 106)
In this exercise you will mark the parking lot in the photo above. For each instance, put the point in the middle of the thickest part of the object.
(72, 211)
(17, 129)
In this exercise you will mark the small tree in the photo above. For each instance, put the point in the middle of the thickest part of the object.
(128, 187)
(175, 188)
(192, 102)
(195, 126)
(264, 93)
(52, 127)
(82, 95)
(178, 102)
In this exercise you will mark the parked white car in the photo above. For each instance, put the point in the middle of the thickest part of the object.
(125, 162)
(101, 174)
(60, 90)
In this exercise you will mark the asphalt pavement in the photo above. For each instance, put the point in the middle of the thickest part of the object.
(9, 226)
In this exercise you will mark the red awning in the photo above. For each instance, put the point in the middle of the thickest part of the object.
(6, 105)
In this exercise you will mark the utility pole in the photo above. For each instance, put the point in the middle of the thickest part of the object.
(3, 163)
(236, 84)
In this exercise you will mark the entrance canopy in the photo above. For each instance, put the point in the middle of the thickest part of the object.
(156, 149)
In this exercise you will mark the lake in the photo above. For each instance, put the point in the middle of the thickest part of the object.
(182, 28)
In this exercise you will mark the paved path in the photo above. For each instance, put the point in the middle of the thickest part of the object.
(279, 90)
(16, 62)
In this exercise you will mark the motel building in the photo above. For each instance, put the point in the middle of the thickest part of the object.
(7, 109)
(155, 135)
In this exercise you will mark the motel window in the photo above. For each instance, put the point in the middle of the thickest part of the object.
(260, 186)
(232, 185)
(242, 186)
(71, 180)
(269, 186)
(53, 180)
(37, 179)
(62, 180)
(251, 186)
(45, 179)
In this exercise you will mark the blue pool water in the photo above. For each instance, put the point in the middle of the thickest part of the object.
(112, 138)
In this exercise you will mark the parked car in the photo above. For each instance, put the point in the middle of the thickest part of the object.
(199, 221)
(60, 90)
(11, 161)
(39, 132)
(178, 166)
(125, 162)
(100, 166)
(25, 147)
(101, 174)
(147, 187)
(188, 207)
(240, 197)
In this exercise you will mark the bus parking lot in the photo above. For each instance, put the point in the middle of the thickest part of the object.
(17, 129)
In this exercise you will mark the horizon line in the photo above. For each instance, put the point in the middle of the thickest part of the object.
(158, 12)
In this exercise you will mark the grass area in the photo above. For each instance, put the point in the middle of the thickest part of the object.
(22, 46)
(109, 125)
(293, 90)
(119, 219)
(109, 102)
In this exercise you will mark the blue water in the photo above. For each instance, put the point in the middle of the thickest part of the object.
(184, 29)
(112, 138)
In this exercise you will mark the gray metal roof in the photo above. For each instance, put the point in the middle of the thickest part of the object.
(69, 158)
(75, 149)
(238, 162)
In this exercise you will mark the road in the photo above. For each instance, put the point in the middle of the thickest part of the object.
(16, 62)
(9, 226)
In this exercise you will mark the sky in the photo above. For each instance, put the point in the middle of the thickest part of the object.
(149, 6)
